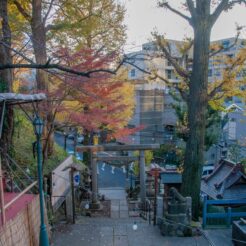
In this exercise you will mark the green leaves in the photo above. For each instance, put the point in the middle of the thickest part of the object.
(89, 24)
(3, 86)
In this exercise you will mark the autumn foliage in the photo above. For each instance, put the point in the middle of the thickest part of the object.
(95, 103)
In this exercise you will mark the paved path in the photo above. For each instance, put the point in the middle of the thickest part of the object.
(119, 206)
(220, 237)
(117, 232)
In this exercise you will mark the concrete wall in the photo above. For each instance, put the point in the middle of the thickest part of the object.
(23, 229)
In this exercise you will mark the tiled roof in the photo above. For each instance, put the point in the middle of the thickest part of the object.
(228, 181)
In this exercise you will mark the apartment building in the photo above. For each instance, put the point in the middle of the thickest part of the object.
(217, 64)
(154, 103)
(153, 108)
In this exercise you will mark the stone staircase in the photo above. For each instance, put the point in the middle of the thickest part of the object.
(119, 205)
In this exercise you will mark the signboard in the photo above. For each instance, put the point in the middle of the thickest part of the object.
(60, 183)
(76, 178)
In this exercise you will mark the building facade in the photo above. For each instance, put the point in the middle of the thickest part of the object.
(154, 105)
(153, 108)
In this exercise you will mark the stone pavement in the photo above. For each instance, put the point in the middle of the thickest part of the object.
(117, 232)
(221, 237)
(119, 206)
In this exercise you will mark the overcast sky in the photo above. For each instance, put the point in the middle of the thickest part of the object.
(143, 17)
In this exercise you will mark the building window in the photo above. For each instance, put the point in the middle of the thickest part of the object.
(169, 74)
(217, 72)
(226, 43)
(210, 72)
(133, 73)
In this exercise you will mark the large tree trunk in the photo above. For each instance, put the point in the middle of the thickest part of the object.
(197, 106)
(39, 43)
(39, 46)
(6, 75)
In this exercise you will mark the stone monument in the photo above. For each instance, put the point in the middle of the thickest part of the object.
(177, 217)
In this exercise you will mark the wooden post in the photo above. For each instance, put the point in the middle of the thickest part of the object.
(72, 190)
(2, 194)
(142, 176)
(69, 209)
(156, 173)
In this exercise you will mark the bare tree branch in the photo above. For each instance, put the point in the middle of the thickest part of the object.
(136, 66)
(191, 8)
(215, 90)
(183, 93)
(17, 52)
(217, 12)
(22, 10)
(23, 48)
(48, 65)
(222, 48)
(59, 67)
(167, 6)
(180, 70)
(48, 11)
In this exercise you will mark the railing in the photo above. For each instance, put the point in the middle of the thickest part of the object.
(228, 215)
(19, 179)
(146, 210)
(20, 195)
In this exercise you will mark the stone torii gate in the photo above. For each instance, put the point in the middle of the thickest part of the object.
(94, 149)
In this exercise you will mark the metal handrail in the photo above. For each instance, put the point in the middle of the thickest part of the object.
(20, 195)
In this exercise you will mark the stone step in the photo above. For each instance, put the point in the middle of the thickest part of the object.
(109, 221)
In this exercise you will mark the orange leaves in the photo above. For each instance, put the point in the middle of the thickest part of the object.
(96, 101)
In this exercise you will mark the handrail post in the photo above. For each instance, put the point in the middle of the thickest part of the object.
(204, 212)
(229, 216)
(2, 195)
(149, 205)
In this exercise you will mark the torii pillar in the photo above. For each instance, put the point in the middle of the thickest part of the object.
(94, 203)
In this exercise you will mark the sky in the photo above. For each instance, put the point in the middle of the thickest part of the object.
(143, 17)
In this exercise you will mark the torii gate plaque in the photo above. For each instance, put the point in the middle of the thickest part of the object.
(94, 149)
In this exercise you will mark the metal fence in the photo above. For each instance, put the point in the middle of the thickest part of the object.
(221, 213)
